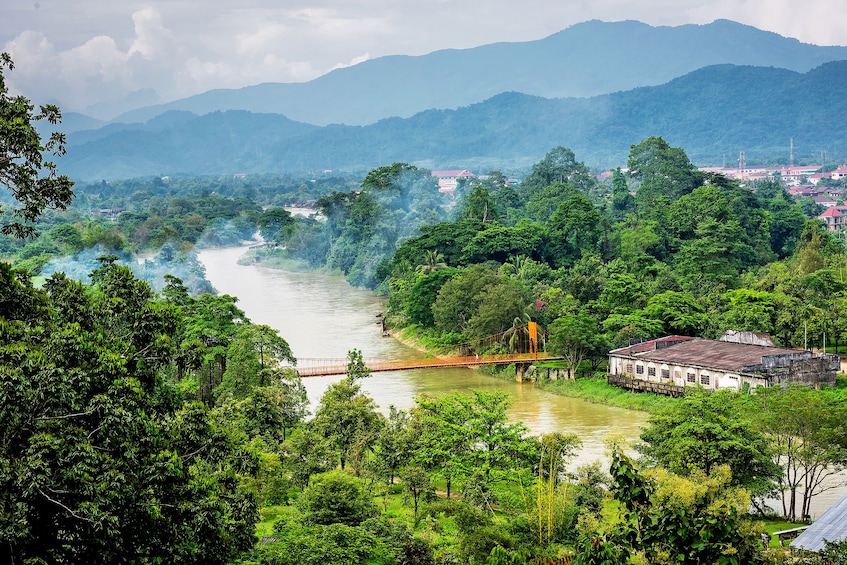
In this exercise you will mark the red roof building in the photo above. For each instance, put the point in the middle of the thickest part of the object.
(839, 173)
(834, 218)
(448, 180)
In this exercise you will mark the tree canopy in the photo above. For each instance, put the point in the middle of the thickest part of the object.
(33, 181)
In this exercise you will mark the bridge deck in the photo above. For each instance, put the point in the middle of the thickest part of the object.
(326, 367)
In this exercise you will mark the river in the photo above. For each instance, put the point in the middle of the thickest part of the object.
(322, 316)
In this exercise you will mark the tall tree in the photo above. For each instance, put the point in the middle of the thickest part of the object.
(662, 170)
(469, 434)
(559, 166)
(575, 230)
(33, 182)
(345, 413)
(101, 459)
(574, 336)
(252, 356)
(275, 224)
(705, 430)
(807, 437)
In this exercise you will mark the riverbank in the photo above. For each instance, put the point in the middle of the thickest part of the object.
(591, 389)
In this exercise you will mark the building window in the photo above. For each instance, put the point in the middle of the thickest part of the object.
(651, 371)
(677, 374)
(692, 378)
(666, 373)
(639, 369)
(629, 368)
(704, 380)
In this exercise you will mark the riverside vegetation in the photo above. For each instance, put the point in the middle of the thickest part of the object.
(159, 426)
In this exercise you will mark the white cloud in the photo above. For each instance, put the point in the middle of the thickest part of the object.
(152, 39)
(355, 60)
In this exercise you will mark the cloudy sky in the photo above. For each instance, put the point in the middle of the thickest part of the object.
(103, 56)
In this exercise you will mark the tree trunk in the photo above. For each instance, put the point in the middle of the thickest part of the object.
(792, 503)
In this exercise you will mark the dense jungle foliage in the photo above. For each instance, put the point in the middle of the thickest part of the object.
(163, 426)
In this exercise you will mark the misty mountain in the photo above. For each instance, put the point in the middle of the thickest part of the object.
(584, 60)
(712, 113)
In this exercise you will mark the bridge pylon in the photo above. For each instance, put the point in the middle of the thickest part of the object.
(532, 329)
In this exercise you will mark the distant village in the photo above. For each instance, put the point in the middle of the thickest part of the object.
(803, 181)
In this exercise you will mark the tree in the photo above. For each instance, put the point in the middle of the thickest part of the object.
(751, 310)
(308, 454)
(664, 171)
(575, 229)
(210, 324)
(622, 201)
(416, 486)
(395, 444)
(714, 257)
(459, 298)
(345, 414)
(252, 356)
(443, 442)
(424, 293)
(705, 430)
(670, 519)
(33, 181)
(275, 224)
(679, 312)
(808, 441)
(335, 497)
(498, 243)
(101, 459)
(469, 433)
(431, 262)
(573, 336)
(560, 166)
(499, 305)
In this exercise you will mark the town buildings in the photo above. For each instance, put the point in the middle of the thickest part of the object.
(448, 180)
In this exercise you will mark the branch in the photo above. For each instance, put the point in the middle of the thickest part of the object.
(42, 418)
(68, 510)
(195, 452)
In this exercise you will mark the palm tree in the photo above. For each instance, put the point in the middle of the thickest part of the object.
(518, 329)
(432, 261)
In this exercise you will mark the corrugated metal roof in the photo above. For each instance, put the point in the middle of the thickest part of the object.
(725, 356)
(832, 526)
(649, 345)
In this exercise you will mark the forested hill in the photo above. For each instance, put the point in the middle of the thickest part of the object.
(712, 113)
(587, 59)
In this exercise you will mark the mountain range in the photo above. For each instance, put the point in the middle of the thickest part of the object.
(712, 113)
(586, 59)
(595, 87)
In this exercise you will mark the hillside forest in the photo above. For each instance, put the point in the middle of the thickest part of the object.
(153, 422)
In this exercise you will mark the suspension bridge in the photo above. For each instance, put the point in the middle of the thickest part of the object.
(521, 344)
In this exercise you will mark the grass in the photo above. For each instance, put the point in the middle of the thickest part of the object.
(273, 259)
(596, 389)
(776, 525)
(588, 388)
(269, 515)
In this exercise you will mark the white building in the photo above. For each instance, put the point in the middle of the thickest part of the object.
(688, 361)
